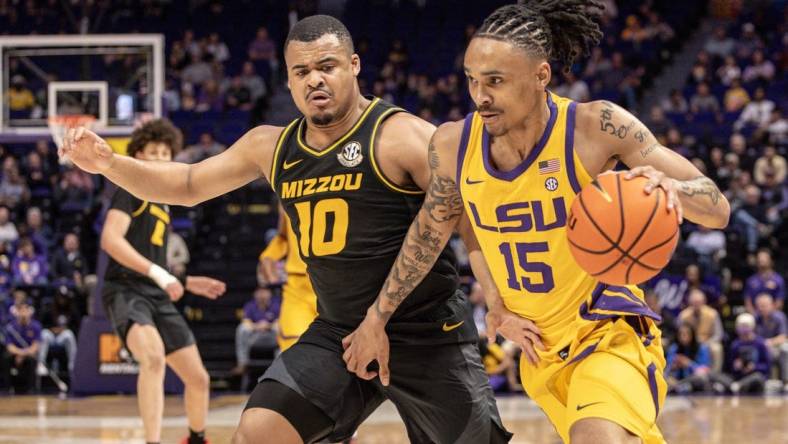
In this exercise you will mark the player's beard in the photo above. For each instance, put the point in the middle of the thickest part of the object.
(322, 119)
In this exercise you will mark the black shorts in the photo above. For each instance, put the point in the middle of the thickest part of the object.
(128, 303)
(441, 391)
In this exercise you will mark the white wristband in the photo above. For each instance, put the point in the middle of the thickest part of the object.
(160, 276)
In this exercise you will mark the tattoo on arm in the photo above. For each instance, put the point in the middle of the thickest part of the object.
(646, 151)
(425, 239)
(606, 125)
(701, 186)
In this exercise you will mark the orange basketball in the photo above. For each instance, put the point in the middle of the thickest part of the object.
(618, 233)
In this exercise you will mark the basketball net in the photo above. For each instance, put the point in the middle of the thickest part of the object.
(58, 125)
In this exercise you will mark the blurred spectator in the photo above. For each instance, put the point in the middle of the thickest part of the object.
(729, 72)
(703, 101)
(706, 326)
(777, 128)
(204, 149)
(747, 42)
(633, 32)
(6, 275)
(772, 325)
(770, 163)
(217, 48)
(657, 122)
(20, 98)
(60, 338)
(765, 280)
(68, 265)
(720, 44)
(37, 180)
(199, 70)
(736, 97)
(675, 103)
(177, 254)
(668, 322)
(171, 96)
(688, 362)
(8, 231)
(751, 218)
(257, 328)
(749, 358)
(37, 231)
(29, 268)
(760, 69)
(13, 188)
(709, 245)
(22, 341)
(479, 307)
(75, 191)
(757, 113)
(574, 88)
(497, 363)
(238, 95)
(210, 99)
(262, 47)
(746, 154)
(252, 81)
(695, 280)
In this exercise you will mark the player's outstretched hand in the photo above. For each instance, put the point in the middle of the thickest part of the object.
(515, 328)
(656, 179)
(205, 286)
(174, 290)
(87, 150)
(369, 342)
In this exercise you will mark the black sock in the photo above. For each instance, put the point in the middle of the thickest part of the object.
(196, 437)
(157, 442)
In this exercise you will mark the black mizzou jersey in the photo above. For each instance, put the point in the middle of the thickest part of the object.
(350, 221)
(147, 233)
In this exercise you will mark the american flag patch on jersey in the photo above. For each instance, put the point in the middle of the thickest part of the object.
(549, 166)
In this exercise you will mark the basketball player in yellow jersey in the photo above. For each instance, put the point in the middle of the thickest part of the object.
(299, 303)
(514, 167)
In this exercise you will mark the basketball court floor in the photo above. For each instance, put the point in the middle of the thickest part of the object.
(112, 419)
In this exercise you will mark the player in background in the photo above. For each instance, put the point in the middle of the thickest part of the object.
(138, 293)
(514, 167)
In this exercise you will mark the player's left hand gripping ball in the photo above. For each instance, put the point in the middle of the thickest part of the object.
(659, 179)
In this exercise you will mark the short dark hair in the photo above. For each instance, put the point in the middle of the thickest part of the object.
(158, 131)
(312, 28)
(554, 29)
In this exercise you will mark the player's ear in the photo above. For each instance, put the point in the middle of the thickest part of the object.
(543, 74)
(355, 63)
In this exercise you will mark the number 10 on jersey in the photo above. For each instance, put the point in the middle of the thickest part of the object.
(322, 227)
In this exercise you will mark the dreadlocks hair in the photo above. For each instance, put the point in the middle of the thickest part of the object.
(557, 30)
(316, 26)
(156, 131)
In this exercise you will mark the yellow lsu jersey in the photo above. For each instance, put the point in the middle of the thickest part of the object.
(519, 218)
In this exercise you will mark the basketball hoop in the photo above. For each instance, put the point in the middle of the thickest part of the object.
(58, 125)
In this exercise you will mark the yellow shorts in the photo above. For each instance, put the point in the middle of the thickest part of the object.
(299, 309)
(613, 373)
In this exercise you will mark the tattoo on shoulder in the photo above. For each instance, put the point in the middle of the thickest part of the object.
(607, 126)
(701, 186)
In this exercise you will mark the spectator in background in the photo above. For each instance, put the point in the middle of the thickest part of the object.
(177, 255)
(252, 81)
(58, 336)
(757, 113)
(765, 280)
(770, 163)
(574, 88)
(772, 325)
(13, 187)
(8, 231)
(203, 149)
(706, 326)
(476, 298)
(210, 99)
(695, 280)
(37, 231)
(777, 128)
(746, 155)
(720, 44)
(198, 71)
(238, 95)
(657, 122)
(760, 69)
(749, 358)
(20, 98)
(703, 101)
(729, 72)
(675, 103)
(497, 363)
(217, 48)
(736, 97)
(688, 363)
(747, 42)
(709, 245)
(6, 275)
(262, 48)
(29, 268)
(256, 328)
(75, 191)
(37, 180)
(751, 218)
(22, 341)
(68, 265)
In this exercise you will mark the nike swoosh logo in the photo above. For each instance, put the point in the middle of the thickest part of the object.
(472, 182)
(287, 166)
(447, 327)
(581, 407)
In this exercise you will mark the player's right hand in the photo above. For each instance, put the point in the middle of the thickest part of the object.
(87, 150)
(515, 328)
(174, 291)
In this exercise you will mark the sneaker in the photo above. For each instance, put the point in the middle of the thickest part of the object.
(773, 386)
(719, 388)
(735, 388)
(41, 370)
(186, 441)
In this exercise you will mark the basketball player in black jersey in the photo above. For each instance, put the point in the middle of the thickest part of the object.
(138, 293)
(349, 174)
